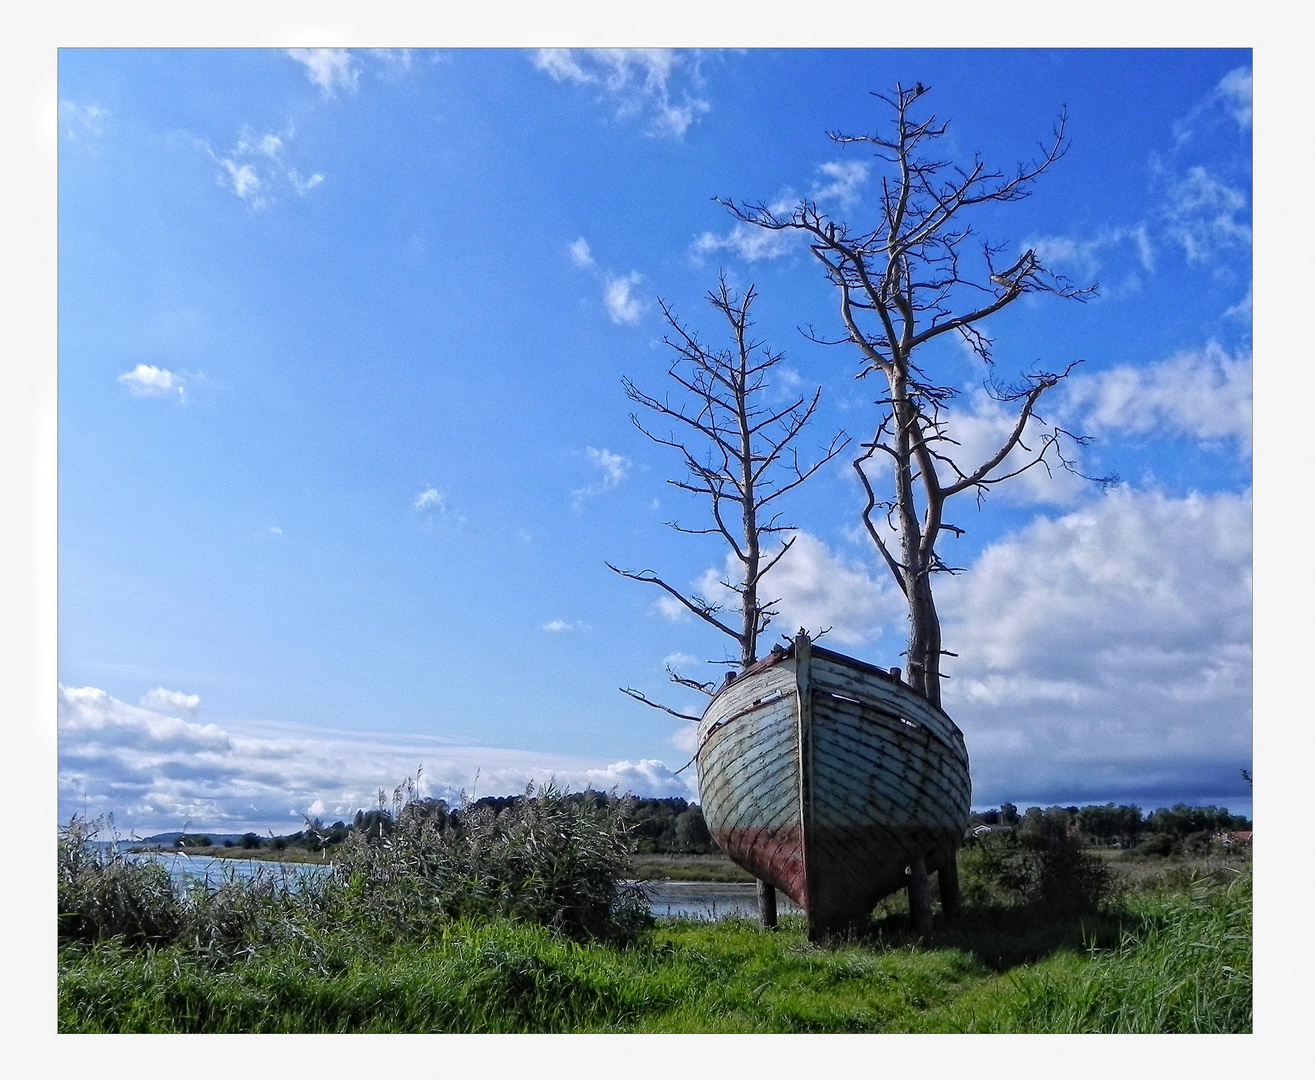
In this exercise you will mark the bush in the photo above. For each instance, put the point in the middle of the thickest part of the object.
(1042, 864)
(541, 858)
(104, 895)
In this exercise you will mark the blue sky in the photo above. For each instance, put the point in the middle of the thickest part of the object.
(344, 445)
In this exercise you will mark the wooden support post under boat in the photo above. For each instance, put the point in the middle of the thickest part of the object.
(767, 905)
(947, 878)
(919, 897)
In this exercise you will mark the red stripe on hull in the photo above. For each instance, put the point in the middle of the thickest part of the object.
(851, 867)
(772, 854)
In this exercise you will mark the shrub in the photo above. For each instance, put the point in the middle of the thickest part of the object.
(102, 894)
(1042, 864)
(542, 858)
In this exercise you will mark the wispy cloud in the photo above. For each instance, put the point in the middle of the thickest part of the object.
(561, 626)
(656, 83)
(432, 503)
(146, 380)
(155, 771)
(257, 168)
(841, 181)
(332, 70)
(613, 468)
(83, 119)
(748, 242)
(1230, 99)
(620, 300)
(1205, 214)
(430, 497)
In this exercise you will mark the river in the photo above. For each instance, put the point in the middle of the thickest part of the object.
(666, 899)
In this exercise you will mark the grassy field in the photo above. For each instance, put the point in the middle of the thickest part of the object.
(521, 919)
(1171, 959)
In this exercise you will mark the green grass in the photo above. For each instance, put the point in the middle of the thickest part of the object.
(1167, 962)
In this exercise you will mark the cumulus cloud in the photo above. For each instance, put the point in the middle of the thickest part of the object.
(146, 380)
(331, 70)
(623, 306)
(171, 701)
(813, 587)
(656, 83)
(257, 168)
(559, 626)
(1107, 653)
(1204, 394)
(157, 772)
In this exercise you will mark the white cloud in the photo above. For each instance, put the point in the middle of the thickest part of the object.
(580, 255)
(818, 588)
(613, 469)
(814, 588)
(276, 530)
(750, 242)
(1205, 215)
(623, 306)
(157, 772)
(1205, 395)
(146, 380)
(1230, 97)
(430, 497)
(1085, 258)
(635, 81)
(1234, 93)
(257, 167)
(329, 69)
(88, 119)
(1107, 653)
(162, 700)
(557, 626)
(842, 180)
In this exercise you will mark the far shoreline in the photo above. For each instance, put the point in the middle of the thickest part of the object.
(653, 867)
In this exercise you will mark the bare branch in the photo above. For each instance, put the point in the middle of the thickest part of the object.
(638, 695)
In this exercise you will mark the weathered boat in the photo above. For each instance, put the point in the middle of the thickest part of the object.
(833, 781)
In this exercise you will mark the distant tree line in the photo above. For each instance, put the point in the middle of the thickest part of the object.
(658, 826)
(1162, 832)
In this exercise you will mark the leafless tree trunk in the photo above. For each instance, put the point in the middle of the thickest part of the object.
(903, 284)
(739, 454)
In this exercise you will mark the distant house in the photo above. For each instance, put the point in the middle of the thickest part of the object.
(1229, 840)
(985, 830)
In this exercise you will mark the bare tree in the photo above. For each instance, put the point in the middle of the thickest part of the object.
(901, 285)
(739, 454)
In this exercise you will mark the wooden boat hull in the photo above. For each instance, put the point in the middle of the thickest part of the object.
(827, 778)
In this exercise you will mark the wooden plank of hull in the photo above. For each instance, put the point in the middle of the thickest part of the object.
(749, 778)
(884, 781)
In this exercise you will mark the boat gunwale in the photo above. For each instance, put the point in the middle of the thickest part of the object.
(775, 657)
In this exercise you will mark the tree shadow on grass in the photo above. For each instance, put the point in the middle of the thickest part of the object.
(1001, 937)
